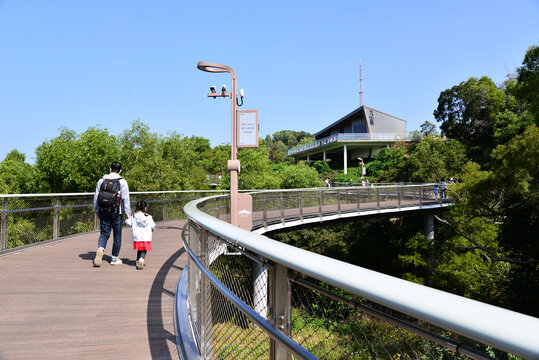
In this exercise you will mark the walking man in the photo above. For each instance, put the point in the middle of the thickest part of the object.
(111, 201)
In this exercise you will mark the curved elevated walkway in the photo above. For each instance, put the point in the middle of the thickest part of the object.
(55, 305)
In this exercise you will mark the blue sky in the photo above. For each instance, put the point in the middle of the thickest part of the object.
(78, 64)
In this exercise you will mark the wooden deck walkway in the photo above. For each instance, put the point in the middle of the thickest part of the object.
(55, 305)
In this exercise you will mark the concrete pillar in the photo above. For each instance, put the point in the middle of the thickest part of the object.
(345, 159)
(308, 159)
(429, 228)
(324, 155)
(429, 236)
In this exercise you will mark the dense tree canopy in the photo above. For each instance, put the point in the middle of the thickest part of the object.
(467, 112)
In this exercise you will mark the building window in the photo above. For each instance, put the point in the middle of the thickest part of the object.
(359, 126)
(371, 117)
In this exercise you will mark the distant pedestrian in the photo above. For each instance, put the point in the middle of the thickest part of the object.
(443, 188)
(142, 225)
(327, 183)
(350, 183)
(111, 201)
(436, 190)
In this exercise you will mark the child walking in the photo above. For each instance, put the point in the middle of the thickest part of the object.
(142, 225)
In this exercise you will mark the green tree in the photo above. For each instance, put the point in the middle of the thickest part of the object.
(300, 176)
(495, 217)
(428, 128)
(467, 112)
(383, 167)
(322, 167)
(215, 161)
(528, 82)
(256, 171)
(278, 152)
(431, 160)
(73, 163)
(182, 167)
(291, 138)
(142, 164)
(17, 176)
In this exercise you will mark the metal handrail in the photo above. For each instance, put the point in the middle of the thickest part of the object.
(504, 329)
(92, 193)
(264, 324)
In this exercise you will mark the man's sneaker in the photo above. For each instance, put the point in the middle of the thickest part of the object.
(140, 264)
(116, 261)
(98, 257)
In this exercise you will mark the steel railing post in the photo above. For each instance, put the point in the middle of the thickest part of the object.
(338, 202)
(282, 207)
(165, 208)
(56, 221)
(265, 210)
(399, 195)
(280, 309)
(358, 200)
(320, 203)
(421, 197)
(96, 222)
(378, 199)
(300, 205)
(4, 222)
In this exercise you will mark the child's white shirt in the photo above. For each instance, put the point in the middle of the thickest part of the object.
(142, 225)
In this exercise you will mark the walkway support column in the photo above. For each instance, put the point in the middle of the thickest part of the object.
(324, 155)
(429, 237)
(345, 159)
(429, 228)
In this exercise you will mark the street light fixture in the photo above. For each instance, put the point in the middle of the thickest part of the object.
(362, 170)
(233, 163)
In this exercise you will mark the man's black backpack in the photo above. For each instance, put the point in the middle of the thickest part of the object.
(109, 195)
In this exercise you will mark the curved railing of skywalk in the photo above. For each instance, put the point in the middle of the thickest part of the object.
(245, 295)
(33, 219)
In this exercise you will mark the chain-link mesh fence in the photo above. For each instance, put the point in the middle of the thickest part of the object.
(334, 324)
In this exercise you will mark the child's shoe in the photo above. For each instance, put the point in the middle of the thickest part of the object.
(140, 264)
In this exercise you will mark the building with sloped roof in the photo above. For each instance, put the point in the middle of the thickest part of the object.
(360, 134)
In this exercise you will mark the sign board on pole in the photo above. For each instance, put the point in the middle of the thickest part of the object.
(247, 129)
(245, 211)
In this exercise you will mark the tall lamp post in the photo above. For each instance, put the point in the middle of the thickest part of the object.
(362, 170)
(233, 163)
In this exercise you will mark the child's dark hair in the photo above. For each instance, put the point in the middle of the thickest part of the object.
(141, 205)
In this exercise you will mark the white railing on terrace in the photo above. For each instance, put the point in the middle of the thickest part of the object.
(244, 295)
(348, 137)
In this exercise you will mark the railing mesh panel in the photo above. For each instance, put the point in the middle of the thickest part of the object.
(332, 330)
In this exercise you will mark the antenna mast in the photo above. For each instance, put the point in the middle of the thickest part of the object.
(361, 103)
